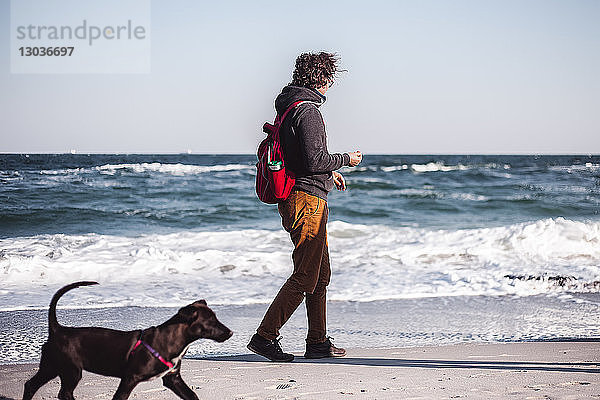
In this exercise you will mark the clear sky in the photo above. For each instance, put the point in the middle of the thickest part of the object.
(423, 77)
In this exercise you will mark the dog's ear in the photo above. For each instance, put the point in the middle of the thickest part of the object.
(203, 302)
(188, 313)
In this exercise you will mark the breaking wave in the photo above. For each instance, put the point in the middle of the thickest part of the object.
(172, 169)
(370, 262)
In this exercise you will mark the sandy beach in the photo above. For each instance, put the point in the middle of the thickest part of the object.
(526, 370)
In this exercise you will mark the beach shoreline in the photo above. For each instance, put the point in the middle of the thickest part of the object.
(533, 370)
(398, 323)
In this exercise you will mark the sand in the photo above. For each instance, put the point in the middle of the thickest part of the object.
(525, 370)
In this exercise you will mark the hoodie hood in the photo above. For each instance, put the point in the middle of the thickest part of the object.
(291, 94)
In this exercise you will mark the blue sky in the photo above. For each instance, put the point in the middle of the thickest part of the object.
(423, 77)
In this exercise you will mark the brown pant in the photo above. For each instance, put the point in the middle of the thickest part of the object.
(304, 216)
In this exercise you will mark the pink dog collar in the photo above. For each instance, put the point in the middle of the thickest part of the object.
(152, 351)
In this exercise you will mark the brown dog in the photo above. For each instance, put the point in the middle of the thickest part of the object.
(133, 356)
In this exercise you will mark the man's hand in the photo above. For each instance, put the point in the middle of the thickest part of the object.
(340, 182)
(355, 158)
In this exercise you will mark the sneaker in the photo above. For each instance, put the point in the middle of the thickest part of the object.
(269, 349)
(322, 350)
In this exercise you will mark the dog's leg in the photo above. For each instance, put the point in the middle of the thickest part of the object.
(69, 378)
(174, 382)
(42, 377)
(46, 372)
(125, 388)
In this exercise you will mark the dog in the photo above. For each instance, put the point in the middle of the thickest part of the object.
(133, 356)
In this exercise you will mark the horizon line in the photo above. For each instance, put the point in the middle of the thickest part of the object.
(253, 154)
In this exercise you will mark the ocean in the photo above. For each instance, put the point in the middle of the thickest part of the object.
(160, 231)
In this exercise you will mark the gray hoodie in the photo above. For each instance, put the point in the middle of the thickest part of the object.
(304, 141)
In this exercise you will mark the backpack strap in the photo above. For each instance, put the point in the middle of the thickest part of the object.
(290, 108)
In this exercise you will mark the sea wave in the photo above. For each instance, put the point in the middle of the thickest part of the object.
(10, 176)
(439, 166)
(173, 169)
(177, 169)
(429, 193)
(576, 168)
(370, 262)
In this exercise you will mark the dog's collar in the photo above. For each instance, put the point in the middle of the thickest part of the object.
(155, 353)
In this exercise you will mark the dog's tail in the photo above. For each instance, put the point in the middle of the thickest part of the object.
(52, 321)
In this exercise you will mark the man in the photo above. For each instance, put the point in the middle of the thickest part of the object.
(304, 213)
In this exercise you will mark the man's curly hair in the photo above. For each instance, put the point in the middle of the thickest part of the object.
(315, 70)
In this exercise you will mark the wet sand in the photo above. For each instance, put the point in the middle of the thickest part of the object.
(437, 321)
(524, 370)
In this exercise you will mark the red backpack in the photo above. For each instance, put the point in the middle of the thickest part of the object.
(273, 182)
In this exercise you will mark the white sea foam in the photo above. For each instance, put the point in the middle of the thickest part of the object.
(172, 169)
(248, 266)
(430, 193)
(468, 197)
(395, 168)
(9, 176)
(438, 166)
(441, 167)
(576, 167)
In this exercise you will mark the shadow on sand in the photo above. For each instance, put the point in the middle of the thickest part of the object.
(588, 367)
